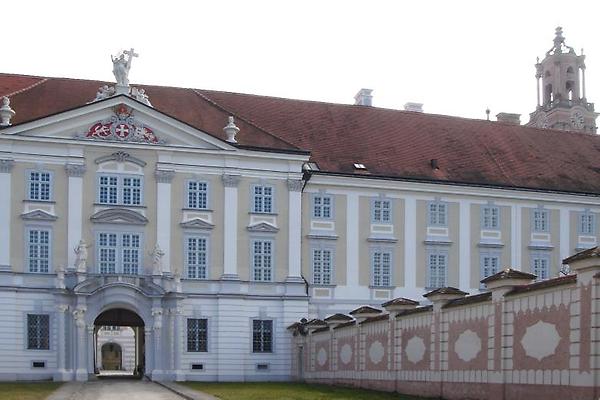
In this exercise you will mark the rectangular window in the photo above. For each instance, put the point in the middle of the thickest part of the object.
(381, 211)
(490, 217)
(38, 331)
(262, 336)
(119, 253)
(540, 267)
(40, 185)
(123, 190)
(197, 195)
(38, 250)
(322, 266)
(197, 335)
(437, 265)
(382, 268)
(262, 201)
(322, 206)
(540, 220)
(490, 264)
(262, 260)
(130, 244)
(196, 257)
(438, 213)
(587, 223)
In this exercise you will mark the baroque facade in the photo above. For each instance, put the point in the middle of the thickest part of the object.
(208, 221)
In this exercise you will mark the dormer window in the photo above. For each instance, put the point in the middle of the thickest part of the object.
(360, 166)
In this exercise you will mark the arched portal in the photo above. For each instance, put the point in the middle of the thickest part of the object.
(119, 343)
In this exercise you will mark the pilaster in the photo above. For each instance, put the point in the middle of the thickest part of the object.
(295, 234)
(464, 249)
(177, 344)
(163, 214)
(410, 242)
(157, 372)
(6, 167)
(230, 271)
(81, 372)
(75, 173)
(352, 244)
(61, 374)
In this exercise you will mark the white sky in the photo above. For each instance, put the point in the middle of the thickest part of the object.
(456, 57)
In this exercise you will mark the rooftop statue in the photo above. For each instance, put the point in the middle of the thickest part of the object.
(122, 65)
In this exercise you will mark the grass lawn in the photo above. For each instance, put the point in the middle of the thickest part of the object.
(27, 391)
(291, 391)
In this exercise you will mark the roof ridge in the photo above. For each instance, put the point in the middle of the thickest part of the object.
(40, 82)
(223, 108)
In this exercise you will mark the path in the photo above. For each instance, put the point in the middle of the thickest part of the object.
(116, 389)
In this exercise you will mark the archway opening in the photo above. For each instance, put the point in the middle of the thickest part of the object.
(119, 344)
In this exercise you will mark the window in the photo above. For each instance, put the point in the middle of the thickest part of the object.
(197, 195)
(540, 267)
(322, 266)
(262, 260)
(587, 223)
(196, 257)
(40, 185)
(490, 264)
(38, 250)
(125, 190)
(381, 211)
(437, 265)
(262, 336)
(119, 253)
(38, 331)
(197, 335)
(540, 220)
(437, 214)
(382, 268)
(322, 207)
(262, 199)
(490, 217)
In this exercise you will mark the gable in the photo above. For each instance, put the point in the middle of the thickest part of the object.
(119, 120)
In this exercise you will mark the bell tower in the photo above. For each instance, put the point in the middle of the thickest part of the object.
(561, 100)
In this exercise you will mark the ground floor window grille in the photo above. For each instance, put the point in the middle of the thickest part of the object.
(197, 335)
(38, 331)
(262, 336)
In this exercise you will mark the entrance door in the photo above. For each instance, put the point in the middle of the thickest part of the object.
(119, 344)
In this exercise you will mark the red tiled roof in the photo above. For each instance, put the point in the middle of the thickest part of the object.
(391, 143)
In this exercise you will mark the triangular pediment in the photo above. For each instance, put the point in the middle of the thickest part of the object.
(119, 119)
(38, 215)
(119, 216)
(263, 227)
(196, 223)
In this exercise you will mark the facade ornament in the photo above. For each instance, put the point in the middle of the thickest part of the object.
(177, 280)
(104, 92)
(81, 253)
(121, 67)
(6, 165)
(75, 170)
(78, 315)
(157, 255)
(6, 113)
(164, 176)
(141, 96)
(61, 308)
(120, 156)
(295, 185)
(60, 277)
(157, 313)
(231, 130)
(122, 127)
(230, 180)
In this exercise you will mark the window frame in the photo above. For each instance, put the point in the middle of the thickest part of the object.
(491, 226)
(186, 238)
(547, 217)
(592, 223)
(119, 254)
(49, 331)
(437, 253)
(381, 250)
(437, 204)
(252, 259)
(331, 206)
(253, 196)
(120, 189)
(187, 194)
(331, 251)
(488, 254)
(381, 220)
(206, 333)
(262, 320)
(541, 256)
(50, 184)
(27, 244)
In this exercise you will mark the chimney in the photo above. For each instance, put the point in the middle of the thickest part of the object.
(414, 107)
(509, 118)
(363, 98)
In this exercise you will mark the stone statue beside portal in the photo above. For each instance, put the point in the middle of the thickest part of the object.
(157, 255)
(81, 253)
(60, 277)
(121, 66)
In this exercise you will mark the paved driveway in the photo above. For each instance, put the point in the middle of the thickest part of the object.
(110, 389)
